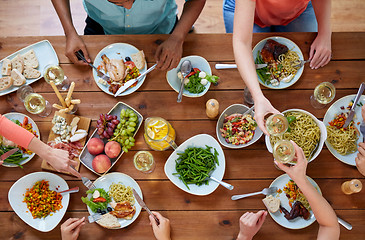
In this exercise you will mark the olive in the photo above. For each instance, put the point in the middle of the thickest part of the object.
(98, 210)
(109, 209)
(103, 212)
(127, 59)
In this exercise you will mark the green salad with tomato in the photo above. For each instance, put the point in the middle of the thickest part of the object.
(196, 80)
(98, 201)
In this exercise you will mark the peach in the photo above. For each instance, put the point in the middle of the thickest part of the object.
(112, 149)
(95, 146)
(101, 163)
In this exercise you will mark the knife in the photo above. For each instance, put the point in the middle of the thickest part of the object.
(8, 154)
(228, 66)
(80, 56)
(345, 224)
(143, 205)
(132, 81)
(352, 111)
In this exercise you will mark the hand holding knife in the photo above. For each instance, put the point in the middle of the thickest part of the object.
(143, 205)
(352, 111)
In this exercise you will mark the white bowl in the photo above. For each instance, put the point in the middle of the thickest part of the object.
(197, 141)
(235, 108)
(321, 126)
(16, 197)
(196, 62)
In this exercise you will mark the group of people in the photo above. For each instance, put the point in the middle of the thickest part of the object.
(160, 17)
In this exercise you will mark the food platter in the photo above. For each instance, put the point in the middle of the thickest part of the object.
(299, 222)
(236, 108)
(45, 54)
(196, 62)
(20, 117)
(201, 140)
(292, 46)
(322, 139)
(116, 177)
(117, 51)
(334, 110)
(16, 197)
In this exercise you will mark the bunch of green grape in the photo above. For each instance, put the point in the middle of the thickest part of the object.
(124, 131)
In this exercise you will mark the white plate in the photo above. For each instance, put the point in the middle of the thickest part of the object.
(320, 125)
(334, 110)
(45, 55)
(197, 141)
(16, 197)
(299, 222)
(116, 177)
(292, 46)
(235, 108)
(117, 51)
(196, 62)
(20, 117)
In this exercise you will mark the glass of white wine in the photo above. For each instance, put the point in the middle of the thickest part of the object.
(284, 151)
(323, 94)
(144, 162)
(33, 102)
(56, 74)
(277, 124)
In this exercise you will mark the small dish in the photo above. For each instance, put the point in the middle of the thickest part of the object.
(299, 222)
(86, 158)
(292, 46)
(235, 108)
(196, 62)
(20, 117)
(200, 140)
(117, 51)
(16, 197)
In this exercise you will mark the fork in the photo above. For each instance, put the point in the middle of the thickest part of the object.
(88, 183)
(100, 74)
(301, 64)
(265, 191)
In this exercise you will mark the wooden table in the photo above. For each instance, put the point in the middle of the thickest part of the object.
(250, 169)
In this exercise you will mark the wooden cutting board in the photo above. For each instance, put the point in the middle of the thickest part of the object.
(84, 123)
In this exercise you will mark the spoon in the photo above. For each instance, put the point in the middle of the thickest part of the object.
(265, 191)
(185, 69)
(71, 190)
(224, 184)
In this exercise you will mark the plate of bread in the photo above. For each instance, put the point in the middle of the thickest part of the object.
(25, 66)
(291, 212)
(120, 62)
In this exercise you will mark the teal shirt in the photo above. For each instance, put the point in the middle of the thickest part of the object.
(145, 16)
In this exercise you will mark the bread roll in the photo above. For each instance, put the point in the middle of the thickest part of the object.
(271, 203)
(6, 67)
(5, 83)
(18, 78)
(30, 59)
(31, 72)
(109, 221)
(138, 59)
(18, 63)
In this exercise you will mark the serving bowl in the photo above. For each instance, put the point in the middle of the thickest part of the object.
(322, 129)
(196, 62)
(235, 108)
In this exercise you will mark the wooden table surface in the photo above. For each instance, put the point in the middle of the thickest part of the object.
(250, 169)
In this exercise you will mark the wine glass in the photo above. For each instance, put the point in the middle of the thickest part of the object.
(277, 124)
(247, 96)
(34, 103)
(323, 94)
(56, 74)
(284, 151)
(144, 162)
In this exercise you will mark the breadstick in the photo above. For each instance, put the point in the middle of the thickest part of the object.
(70, 90)
(75, 101)
(70, 108)
(68, 102)
(62, 110)
(57, 106)
(58, 93)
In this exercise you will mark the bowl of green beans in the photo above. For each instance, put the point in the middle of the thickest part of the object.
(191, 164)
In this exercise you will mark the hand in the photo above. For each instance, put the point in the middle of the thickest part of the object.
(59, 160)
(250, 224)
(320, 51)
(169, 53)
(74, 43)
(360, 159)
(70, 229)
(262, 108)
(298, 171)
(161, 231)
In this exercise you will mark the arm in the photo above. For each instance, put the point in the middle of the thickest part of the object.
(161, 231)
(73, 40)
(325, 215)
(320, 51)
(360, 159)
(169, 53)
(70, 229)
(242, 47)
(250, 224)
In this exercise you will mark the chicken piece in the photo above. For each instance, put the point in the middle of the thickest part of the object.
(272, 50)
(115, 68)
(123, 210)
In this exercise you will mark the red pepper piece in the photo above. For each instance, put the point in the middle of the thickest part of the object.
(99, 199)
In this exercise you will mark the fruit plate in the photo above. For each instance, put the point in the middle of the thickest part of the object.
(117, 51)
(45, 54)
(86, 158)
(16, 197)
(20, 117)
